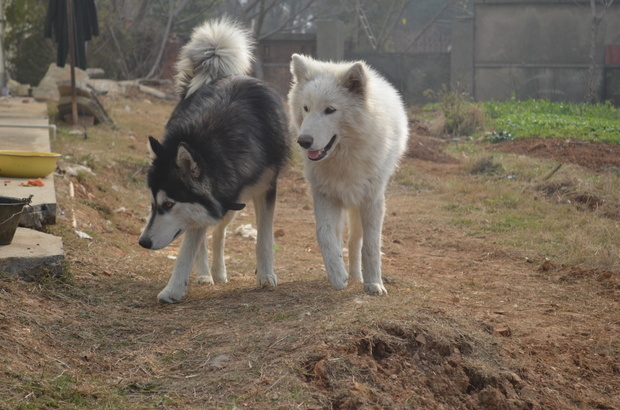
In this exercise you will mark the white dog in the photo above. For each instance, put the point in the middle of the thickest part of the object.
(353, 128)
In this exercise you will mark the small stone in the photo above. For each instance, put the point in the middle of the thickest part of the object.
(503, 331)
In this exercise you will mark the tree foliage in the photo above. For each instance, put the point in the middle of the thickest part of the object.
(135, 33)
(27, 53)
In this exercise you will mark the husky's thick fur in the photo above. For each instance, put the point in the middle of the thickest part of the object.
(352, 126)
(223, 145)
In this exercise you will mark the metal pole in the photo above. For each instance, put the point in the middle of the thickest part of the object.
(49, 127)
(70, 26)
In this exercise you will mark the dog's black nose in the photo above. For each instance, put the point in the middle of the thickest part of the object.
(305, 141)
(145, 243)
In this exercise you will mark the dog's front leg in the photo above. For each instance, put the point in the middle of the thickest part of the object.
(328, 232)
(177, 285)
(355, 245)
(219, 240)
(372, 221)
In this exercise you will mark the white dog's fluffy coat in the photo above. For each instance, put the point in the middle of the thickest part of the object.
(353, 128)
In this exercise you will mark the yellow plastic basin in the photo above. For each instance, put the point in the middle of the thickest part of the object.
(27, 164)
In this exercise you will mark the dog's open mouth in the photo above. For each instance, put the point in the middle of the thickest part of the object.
(320, 154)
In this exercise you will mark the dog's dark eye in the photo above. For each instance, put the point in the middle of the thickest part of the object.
(168, 205)
(329, 110)
(305, 108)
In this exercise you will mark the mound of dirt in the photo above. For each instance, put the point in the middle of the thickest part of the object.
(395, 365)
(597, 156)
(425, 147)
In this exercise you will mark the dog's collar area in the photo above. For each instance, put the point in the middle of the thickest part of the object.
(320, 154)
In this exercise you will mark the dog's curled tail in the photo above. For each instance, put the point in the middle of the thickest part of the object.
(216, 49)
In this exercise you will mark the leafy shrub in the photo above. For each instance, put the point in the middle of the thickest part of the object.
(462, 116)
(500, 136)
(486, 166)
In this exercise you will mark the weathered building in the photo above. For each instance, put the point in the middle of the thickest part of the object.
(534, 49)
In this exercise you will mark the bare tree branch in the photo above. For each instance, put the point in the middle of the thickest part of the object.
(292, 17)
(119, 49)
(172, 13)
(393, 19)
(429, 24)
(195, 16)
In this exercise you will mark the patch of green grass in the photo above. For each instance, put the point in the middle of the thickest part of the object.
(507, 224)
(143, 388)
(461, 209)
(542, 119)
(88, 160)
(500, 136)
(61, 391)
(509, 200)
(282, 317)
(177, 356)
(462, 222)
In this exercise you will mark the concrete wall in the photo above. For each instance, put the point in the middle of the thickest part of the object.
(535, 49)
(411, 74)
(462, 56)
(274, 53)
(330, 40)
(274, 58)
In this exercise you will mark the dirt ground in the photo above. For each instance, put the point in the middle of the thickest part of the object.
(466, 324)
(596, 156)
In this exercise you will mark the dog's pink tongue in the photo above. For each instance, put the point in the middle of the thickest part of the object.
(314, 154)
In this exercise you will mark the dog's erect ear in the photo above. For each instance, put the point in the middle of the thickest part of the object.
(235, 207)
(355, 79)
(298, 68)
(186, 161)
(154, 147)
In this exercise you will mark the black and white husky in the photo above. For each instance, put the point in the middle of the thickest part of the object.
(223, 145)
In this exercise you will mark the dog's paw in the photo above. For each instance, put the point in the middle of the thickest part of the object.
(375, 289)
(263, 280)
(170, 295)
(357, 276)
(339, 281)
(220, 275)
(204, 279)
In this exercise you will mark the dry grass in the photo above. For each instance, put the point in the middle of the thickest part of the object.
(571, 217)
(468, 322)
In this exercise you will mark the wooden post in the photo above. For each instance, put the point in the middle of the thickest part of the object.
(70, 26)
